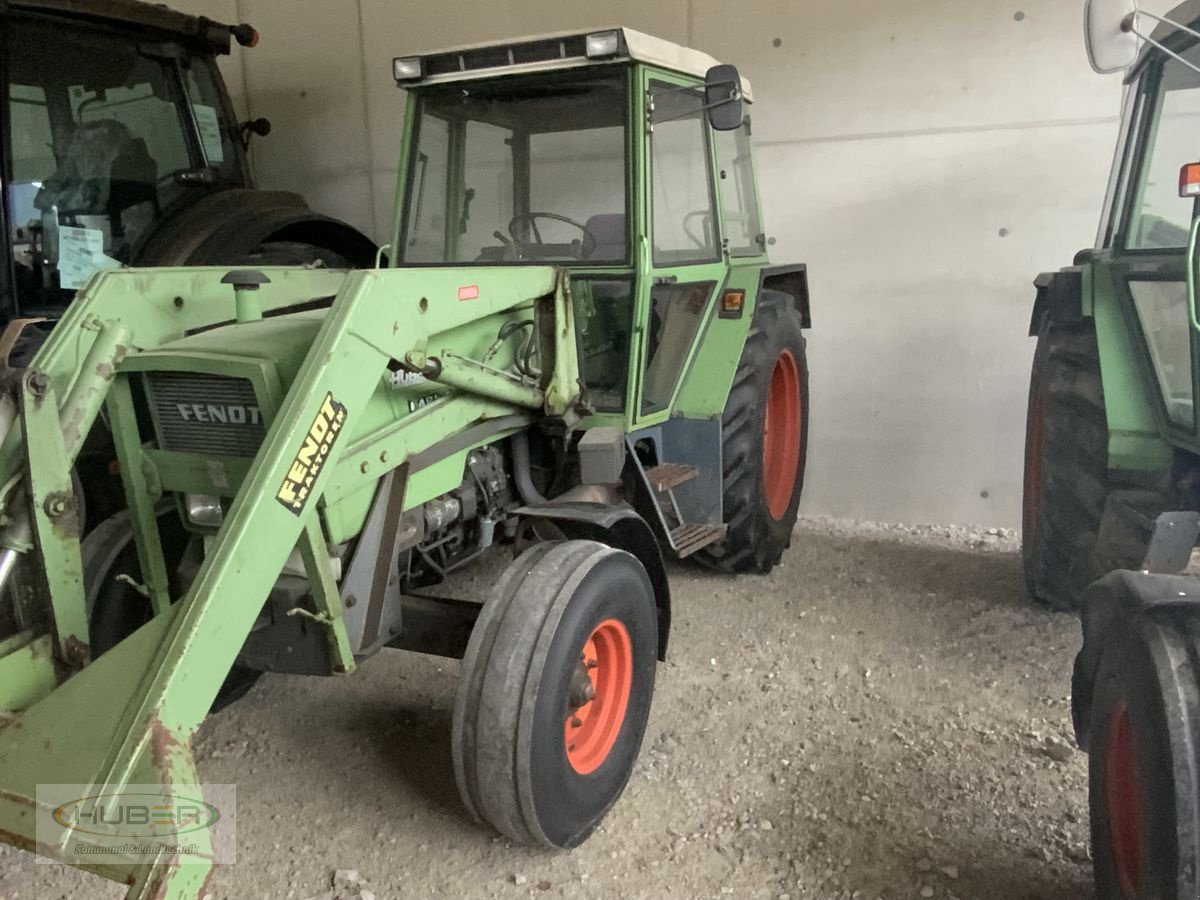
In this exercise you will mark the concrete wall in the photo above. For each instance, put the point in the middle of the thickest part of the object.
(927, 158)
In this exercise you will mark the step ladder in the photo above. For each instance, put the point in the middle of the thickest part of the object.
(685, 537)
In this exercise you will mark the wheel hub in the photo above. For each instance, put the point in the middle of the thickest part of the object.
(1123, 796)
(599, 696)
(782, 429)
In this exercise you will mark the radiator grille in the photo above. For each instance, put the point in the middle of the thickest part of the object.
(211, 414)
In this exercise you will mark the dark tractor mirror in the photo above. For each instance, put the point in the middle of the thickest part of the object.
(723, 98)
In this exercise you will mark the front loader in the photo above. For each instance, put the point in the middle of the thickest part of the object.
(578, 350)
(1112, 476)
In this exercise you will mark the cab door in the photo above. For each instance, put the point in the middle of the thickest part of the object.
(1150, 267)
(682, 262)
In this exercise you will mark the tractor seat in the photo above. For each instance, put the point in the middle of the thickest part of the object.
(611, 235)
(104, 171)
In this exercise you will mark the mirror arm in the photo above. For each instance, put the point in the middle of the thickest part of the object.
(734, 97)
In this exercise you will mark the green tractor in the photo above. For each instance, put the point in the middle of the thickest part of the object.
(578, 350)
(1112, 475)
(119, 146)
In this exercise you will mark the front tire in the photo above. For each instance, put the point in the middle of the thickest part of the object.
(1143, 764)
(555, 692)
(764, 433)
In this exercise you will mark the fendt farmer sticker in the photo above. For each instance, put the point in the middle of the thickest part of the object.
(313, 454)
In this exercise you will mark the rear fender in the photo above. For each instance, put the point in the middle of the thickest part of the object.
(221, 227)
(1116, 605)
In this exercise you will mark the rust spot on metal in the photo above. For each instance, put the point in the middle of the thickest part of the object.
(106, 371)
(164, 745)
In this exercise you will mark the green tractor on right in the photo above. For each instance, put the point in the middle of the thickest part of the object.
(1112, 463)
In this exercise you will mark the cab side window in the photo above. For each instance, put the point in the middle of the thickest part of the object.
(685, 228)
(739, 197)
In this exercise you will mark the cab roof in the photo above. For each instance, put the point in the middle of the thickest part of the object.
(195, 30)
(560, 50)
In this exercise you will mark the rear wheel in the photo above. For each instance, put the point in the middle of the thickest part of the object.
(764, 441)
(1143, 763)
(555, 692)
(294, 253)
(1066, 467)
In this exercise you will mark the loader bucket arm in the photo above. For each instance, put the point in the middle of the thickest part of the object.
(128, 717)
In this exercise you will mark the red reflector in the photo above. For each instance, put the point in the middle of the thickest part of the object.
(470, 292)
(1189, 180)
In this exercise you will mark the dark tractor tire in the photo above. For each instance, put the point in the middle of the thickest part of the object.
(1066, 481)
(294, 253)
(1143, 759)
(764, 441)
(116, 609)
(555, 692)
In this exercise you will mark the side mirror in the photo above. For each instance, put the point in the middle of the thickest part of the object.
(1108, 31)
(723, 98)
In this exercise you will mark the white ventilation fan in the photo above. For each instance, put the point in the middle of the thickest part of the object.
(1114, 33)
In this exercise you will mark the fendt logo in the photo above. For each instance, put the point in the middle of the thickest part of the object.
(224, 413)
(314, 452)
(136, 815)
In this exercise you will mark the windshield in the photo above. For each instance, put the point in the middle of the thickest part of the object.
(520, 169)
(104, 141)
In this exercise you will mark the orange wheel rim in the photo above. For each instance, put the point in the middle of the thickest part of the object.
(782, 427)
(1123, 795)
(1034, 436)
(600, 691)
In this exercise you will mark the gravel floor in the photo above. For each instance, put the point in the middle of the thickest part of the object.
(883, 716)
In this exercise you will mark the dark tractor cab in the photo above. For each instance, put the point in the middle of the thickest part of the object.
(119, 146)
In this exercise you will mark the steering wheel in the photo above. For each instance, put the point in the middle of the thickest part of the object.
(587, 245)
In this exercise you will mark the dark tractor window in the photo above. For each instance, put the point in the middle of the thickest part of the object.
(520, 169)
(104, 143)
(685, 222)
(604, 330)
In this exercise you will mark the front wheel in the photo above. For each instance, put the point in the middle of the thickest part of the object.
(555, 692)
(1143, 765)
(764, 436)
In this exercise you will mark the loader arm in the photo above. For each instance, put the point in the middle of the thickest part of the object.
(128, 717)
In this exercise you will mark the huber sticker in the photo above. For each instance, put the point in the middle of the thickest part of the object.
(314, 452)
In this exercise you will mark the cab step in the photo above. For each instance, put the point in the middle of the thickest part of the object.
(667, 476)
(686, 539)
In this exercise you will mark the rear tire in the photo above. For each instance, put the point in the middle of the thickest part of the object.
(1142, 763)
(764, 433)
(294, 253)
(538, 754)
(1066, 467)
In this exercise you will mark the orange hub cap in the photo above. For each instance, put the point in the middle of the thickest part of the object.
(782, 426)
(1123, 795)
(592, 727)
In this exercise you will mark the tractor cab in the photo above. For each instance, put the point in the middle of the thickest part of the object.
(616, 156)
(120, 146)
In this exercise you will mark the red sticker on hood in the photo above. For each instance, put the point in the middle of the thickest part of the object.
(470, 292)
